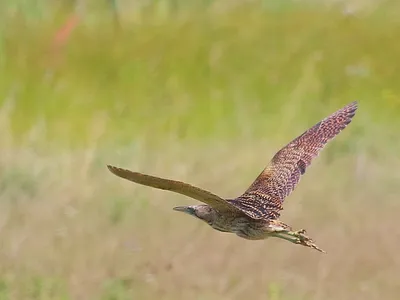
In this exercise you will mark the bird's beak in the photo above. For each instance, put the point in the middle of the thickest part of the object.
(185, 209)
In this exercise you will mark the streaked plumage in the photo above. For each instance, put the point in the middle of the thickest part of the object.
(254, 215)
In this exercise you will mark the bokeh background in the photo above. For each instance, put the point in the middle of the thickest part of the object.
(205, 92)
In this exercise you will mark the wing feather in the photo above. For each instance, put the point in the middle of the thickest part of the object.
(175, 186)
(264, 198)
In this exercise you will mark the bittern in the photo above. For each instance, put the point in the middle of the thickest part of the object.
(255, 214)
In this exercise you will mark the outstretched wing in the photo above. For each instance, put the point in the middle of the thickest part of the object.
(175, 186)
(264, 198)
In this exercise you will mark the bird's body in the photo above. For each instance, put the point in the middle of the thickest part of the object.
(243, 227)
(237, 223)
(248, 228)
(254, 215)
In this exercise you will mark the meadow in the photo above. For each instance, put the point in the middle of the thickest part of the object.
(205, 92)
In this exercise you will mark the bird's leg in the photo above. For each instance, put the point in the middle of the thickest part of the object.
(285, 232)
(283, 235)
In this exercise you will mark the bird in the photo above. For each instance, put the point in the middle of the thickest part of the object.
(255, 214)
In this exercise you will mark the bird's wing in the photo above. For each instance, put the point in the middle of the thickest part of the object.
(175, 186)
(264, 198)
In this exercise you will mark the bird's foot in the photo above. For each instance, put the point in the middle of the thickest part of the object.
(301, 238)
(283, 231)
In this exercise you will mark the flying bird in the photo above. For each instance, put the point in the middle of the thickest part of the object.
(254, 215)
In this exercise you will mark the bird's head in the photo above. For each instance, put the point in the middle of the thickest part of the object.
(203, 212)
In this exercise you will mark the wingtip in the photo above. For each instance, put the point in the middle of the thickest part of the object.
(353, 105)
(112, 168)
(350, 111)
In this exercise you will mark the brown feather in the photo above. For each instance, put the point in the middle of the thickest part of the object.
(264, 198)
(176, 186)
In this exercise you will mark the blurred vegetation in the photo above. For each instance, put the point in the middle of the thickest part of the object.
(206, 92)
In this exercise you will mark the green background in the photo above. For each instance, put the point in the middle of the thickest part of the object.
(205, 92)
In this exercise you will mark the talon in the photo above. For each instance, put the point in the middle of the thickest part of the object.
(303, 239)
(301, 232)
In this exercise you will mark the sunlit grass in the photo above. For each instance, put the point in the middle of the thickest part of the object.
(215, 76)
(204, 94)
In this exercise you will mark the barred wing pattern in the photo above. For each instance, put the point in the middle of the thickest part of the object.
(264, 198)
(176, 186)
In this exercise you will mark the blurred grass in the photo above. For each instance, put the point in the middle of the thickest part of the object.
(207, 69)
(204, 92)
